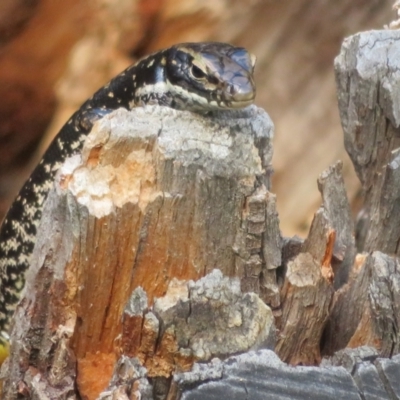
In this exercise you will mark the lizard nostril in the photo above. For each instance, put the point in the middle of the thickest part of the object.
(213, 80)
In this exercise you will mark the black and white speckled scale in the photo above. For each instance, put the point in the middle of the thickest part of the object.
(192, 76)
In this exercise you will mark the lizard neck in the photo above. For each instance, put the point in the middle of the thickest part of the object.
(142, 83)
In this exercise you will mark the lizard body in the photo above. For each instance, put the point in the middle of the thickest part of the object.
(192, 76)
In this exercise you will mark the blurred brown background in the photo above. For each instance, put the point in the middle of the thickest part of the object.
(55, 54)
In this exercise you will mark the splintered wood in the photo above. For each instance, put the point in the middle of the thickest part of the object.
(308, 287)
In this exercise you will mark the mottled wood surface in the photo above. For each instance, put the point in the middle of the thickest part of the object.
(158, 196)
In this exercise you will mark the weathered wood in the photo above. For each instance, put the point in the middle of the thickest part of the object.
(333, 192)
(350, 358)
(157, 195)
(306, 296)
(376, 378)
(384, 299)
(194, 321)
(307, 291)
(261, 375)
(367, 75)
(355, 374)
(272, 252)
(343, 320)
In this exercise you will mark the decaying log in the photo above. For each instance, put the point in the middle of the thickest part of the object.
(159, 198)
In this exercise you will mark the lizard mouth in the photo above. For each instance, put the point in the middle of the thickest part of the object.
(241, 100)
(240, 93)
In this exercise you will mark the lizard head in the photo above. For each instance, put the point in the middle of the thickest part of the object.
(210, 75)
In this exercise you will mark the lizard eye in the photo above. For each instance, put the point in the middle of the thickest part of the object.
(197, 73)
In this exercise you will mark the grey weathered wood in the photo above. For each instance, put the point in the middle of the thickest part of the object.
(333, 192)
(389, 372)
(349, 358)
(384, 301)
(368, 80)
(367, 378)
(354, 374)
(261, 375)
(272, 254)
(376, 378)
(374, 295)
(384, 228)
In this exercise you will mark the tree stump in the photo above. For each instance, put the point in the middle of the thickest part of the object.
(158, 199)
